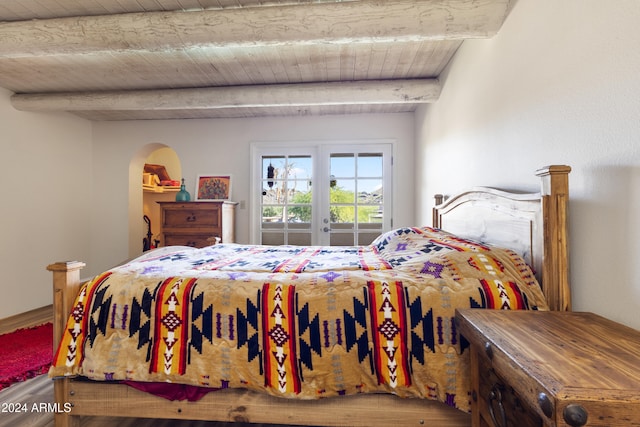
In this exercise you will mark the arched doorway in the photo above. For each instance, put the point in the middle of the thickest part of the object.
(142, 202)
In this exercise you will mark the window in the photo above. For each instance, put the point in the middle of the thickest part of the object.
(322, 194)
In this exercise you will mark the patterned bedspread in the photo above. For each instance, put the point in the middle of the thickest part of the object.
(296, 322)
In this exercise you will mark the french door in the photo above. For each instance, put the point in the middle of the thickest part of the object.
(321, 194)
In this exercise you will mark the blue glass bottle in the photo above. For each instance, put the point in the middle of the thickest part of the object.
(183, 195)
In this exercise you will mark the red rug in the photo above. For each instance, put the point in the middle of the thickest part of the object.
(25, 353)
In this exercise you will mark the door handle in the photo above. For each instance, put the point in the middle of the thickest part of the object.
(326, 229)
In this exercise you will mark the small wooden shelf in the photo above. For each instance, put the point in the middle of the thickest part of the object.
(159, 189)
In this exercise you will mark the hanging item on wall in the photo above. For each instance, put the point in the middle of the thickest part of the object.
(270, 175)
(183, 195)
(213, 187)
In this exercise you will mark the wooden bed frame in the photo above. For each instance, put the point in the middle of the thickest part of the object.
(533, 224)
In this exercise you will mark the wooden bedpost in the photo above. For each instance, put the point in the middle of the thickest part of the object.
(66, 284)
(555, 198)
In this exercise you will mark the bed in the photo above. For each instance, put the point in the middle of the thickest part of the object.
(355, 364)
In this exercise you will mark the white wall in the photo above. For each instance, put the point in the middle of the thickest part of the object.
(46, 178)
(560, 84)
(220, 147)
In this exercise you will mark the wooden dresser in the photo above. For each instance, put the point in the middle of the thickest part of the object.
(551, 369)
(193, 223)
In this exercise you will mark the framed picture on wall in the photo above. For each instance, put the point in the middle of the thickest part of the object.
(213, 187)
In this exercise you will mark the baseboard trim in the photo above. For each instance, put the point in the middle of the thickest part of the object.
(27, 319)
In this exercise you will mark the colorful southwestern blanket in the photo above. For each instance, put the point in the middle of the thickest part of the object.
(296, 322)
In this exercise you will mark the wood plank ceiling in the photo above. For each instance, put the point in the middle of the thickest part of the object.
(179, 59)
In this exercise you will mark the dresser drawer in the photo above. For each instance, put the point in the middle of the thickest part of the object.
(193, 240)
(184, 216)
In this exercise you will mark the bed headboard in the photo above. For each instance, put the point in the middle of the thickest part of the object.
(532, 224)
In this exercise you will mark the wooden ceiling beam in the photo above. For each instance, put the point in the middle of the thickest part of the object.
(346, 22)
(411, 91)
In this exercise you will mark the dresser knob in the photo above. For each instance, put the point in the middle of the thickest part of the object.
(545, 404)
(488, 348)
(575, 415)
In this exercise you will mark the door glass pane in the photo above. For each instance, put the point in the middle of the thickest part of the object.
(343, 165)
(369, 165)
(297, 196)
(343, 191)
(369, 215)
(300, 215)
(271, 215)
(344, 215)
(301, 167)
(356, 197)
(370, 191)
(286, 199)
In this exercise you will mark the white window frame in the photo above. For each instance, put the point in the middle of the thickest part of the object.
(319, 150)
